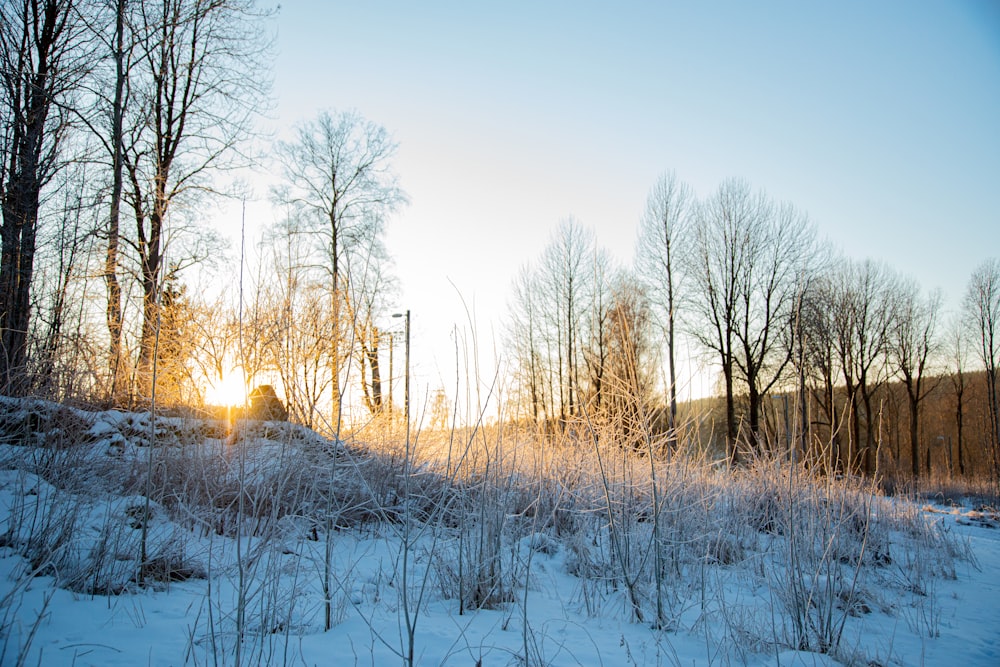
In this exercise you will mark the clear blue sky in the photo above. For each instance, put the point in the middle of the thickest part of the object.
(881, 120)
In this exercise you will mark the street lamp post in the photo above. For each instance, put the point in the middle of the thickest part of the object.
(406, 390)
(391, 377)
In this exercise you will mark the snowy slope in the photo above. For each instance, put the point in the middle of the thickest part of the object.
(275, 533)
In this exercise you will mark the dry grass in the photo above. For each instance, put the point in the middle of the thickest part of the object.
(658, 539)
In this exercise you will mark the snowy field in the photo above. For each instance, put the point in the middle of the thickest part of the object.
(274, 546)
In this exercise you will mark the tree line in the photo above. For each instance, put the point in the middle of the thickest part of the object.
(121, 120)
(743, 283)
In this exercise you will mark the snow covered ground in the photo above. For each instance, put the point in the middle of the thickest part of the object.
(217, 550)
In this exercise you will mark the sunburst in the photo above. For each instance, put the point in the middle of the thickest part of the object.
(228, 391)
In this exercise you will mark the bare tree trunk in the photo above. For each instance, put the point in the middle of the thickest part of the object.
(732, 450)
(151, 254)
(371, 390)
(69, 242)
(335, 338)
(959, 422)
(854, 439)
(672, 359)
(16, 271)
(915, 439)
(830, 406)
(114, 309)
(994, 413)
(803, 394)
(198, 79)
(911, 344)
(570, 352)
(867, 460)
(376, 372)
(532, 369)
(753, 410)
(34, 38)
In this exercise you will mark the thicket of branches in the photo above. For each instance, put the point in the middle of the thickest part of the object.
(119, 118)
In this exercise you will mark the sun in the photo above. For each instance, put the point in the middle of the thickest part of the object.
(229, 391)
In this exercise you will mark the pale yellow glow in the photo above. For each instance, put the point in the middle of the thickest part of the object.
(230, 390)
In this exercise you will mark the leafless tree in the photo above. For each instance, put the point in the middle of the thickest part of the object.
(525, 338)
(912, 344)
(42, 58)
(769, 299)
(65, 243)
(113, 314)
(818, 334)
(958, 349)
(290, 323)
(212, 340)
(110, 24)
(370, 288)
(747, 268)
(982, 310)
(663, 235)
(812, 360)
(862, 307)
(195, 91)
(718, 263)
(605, 281)
(559, 326)
(338, 176)
(567, 269)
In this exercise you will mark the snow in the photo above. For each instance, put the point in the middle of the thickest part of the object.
(72, 527)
